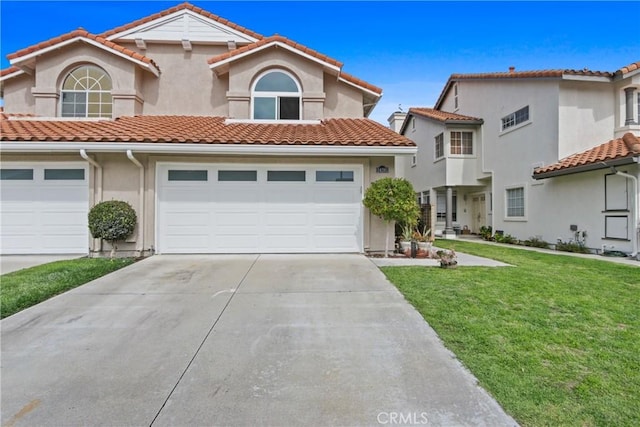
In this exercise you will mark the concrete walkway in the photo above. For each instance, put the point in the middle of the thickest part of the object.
(465, 260)
(9, 263)
(235, 340)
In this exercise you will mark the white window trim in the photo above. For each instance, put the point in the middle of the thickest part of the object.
(525, 202)
(437, 158)
(502, 131)
(456, 100)
(275, 94)
(87, 91)
(461, 156)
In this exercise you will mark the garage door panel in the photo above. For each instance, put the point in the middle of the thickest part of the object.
(261, 215)
(45, 216)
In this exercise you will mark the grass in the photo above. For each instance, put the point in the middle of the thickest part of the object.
(24, 288)
(555, 339)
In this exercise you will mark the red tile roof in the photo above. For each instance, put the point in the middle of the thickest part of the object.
(204, 130)
(274, 39)
(629, 68)
(81, 33)
(512, 74)
(358, 82)
(442, 116)
(4, 115)
(174, 9)
(9, 70)
(627, 146)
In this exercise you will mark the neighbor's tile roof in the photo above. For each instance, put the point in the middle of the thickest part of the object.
(531, 74)
(440, 115)
(627, 146)
(84, 34)
(204, 130)
(177, 8)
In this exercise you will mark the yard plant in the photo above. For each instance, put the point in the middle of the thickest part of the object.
(554, 338)
(113, 221)
(23, 288)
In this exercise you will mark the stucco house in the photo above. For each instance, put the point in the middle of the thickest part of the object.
(530, 154)
(223, 140)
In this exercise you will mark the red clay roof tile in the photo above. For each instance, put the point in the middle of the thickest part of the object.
(204, 130)
(627, 146)
(440, 115)
(629, 68)
(273, 39)
(80, 33)
(177, 8)
(9, 70)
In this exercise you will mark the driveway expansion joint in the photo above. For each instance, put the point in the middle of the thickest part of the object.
(233, 292)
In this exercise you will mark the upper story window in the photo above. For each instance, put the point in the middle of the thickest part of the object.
(439, 146)
(276, 96)
(455, 96)
(462, 143)
(515, 118)
(86, 92)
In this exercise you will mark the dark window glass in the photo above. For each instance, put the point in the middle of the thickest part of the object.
(16, 174)
(64, 174)
(237, 175)
(296, 176)
(289, 108)
(335, 176)
(186, 175)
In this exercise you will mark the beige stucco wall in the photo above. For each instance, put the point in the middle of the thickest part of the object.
(342, 100)
(17, 95)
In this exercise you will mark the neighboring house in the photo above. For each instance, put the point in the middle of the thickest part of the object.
(496, 146)
(223, 141)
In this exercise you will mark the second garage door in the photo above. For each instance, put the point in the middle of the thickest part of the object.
(265, 209)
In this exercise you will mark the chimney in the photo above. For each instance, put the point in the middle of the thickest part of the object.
(512, 69)
(395, 120)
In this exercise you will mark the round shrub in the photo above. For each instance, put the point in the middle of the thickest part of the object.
(112, 220)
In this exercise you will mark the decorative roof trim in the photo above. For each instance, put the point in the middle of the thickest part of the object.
(125, 29)
(10, 72)
(36, 50)
(277, 41)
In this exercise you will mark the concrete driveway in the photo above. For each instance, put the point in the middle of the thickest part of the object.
(235, 340)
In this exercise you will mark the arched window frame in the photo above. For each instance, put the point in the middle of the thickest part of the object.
(276, 94)
(90, 97)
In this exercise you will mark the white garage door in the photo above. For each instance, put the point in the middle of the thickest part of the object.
(265, 209)
(44, 208)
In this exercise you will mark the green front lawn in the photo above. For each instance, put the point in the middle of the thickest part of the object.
(24, 288)
(555, 339)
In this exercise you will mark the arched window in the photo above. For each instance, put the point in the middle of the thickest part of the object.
(86, 92)
(276, 96)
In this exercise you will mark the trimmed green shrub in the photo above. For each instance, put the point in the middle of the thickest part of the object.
(113, 221)
(534, 242)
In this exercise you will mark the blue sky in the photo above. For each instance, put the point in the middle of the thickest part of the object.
(407, 48)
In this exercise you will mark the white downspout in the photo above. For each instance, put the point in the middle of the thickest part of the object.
(140, 239)
(98, 183)
(635, 209)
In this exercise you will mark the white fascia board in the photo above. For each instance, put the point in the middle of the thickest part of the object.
(195, 148)
(364, 89)
(11, 75)
(278, 44)
(157, 22)
(39, 52)
(586, 78)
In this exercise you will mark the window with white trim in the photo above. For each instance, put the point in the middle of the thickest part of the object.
(439, 140)
(276, 95)
(441, 206)
(515, 118)
(515, 202)
(461, 143)
(86, 92)
(455, 96)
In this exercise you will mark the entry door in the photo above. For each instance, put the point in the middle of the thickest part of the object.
(479, 212)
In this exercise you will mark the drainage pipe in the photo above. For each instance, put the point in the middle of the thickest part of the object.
(140, 239)
(97, 187)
